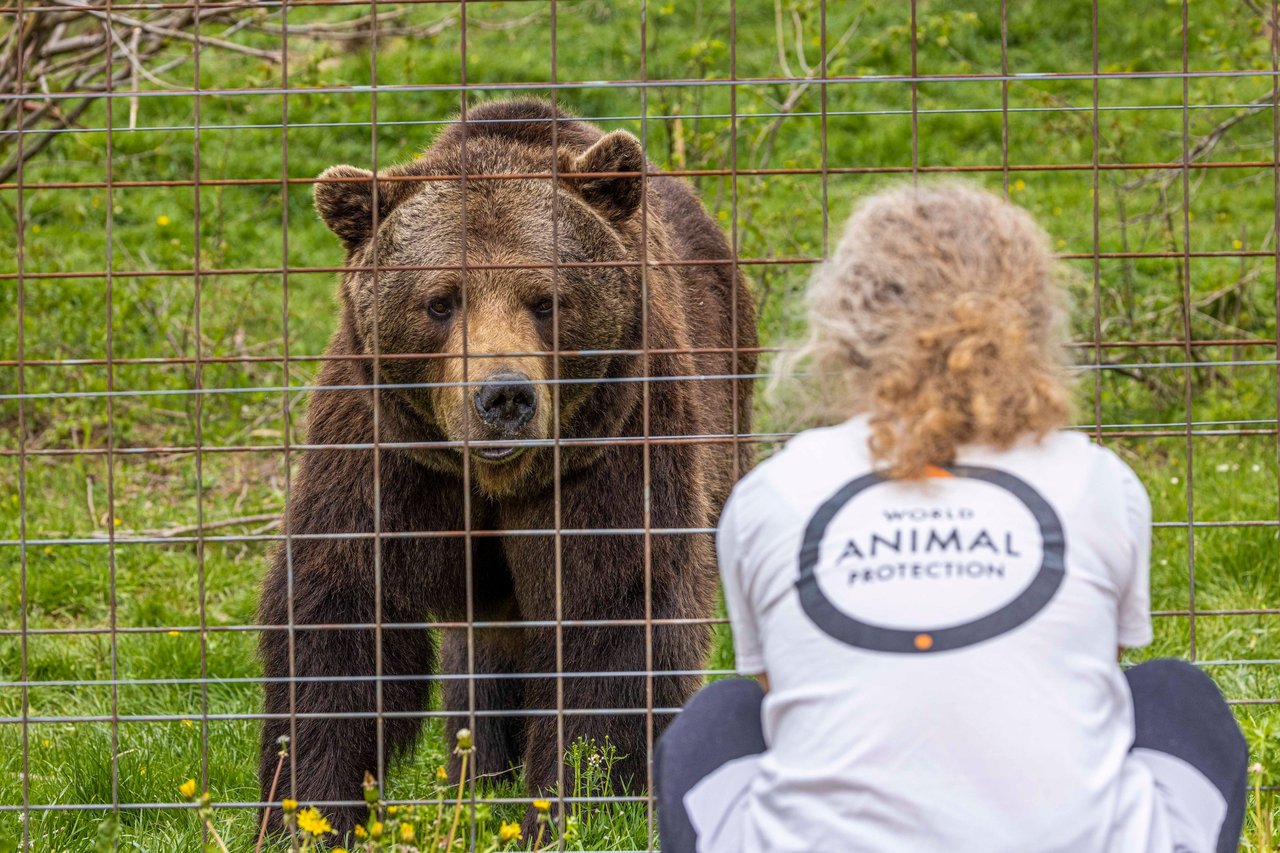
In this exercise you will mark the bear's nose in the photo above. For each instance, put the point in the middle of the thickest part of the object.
(506, 400)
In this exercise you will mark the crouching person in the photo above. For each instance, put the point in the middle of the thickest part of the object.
(932, 592)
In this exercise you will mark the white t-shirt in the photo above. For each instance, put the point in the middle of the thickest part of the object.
(941, 653)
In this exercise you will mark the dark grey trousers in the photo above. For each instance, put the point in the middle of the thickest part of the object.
(1177, 710)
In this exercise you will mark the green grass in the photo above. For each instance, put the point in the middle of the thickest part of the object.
(158, 586)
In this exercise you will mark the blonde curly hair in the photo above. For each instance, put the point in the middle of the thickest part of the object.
(941, 318)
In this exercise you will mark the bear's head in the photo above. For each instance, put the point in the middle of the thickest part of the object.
(492, 292)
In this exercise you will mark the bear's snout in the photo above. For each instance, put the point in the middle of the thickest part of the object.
(506, 401)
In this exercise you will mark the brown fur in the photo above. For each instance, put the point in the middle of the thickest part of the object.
(421, 489)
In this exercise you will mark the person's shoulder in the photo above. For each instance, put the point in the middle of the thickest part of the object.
(806, 455)
(1078, 445)
(1070, 462)
(844, 441)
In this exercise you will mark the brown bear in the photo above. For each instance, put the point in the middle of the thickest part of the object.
(446, 391)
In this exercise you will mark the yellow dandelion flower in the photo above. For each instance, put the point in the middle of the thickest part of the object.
(542, 805)
(441, 775)
(1019, 185)
(393, 810)
(117, 522)
(289, 806)
(188, 789)
(48, 549)
(188, 723)
(162, 220)
(361, 832)
(311, 821)
(46, 743)
(406, 832)
(375, 831)
(1237, 244)
(1062, 243)
(174, 633)
(509, 832)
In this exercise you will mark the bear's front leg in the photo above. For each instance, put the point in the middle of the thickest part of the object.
(643, 705)
(323, 689)
(331, 714)
(603, 578)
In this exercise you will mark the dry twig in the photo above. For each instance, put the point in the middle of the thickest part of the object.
(63, 61)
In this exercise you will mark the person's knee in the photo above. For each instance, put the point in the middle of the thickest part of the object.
(722, 717)
(1170, 676)
(729, 693)
(720, 723)
(721, 702)
(1168, 683)
(1167, 688)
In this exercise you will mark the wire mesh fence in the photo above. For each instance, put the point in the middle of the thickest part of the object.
(536, 566)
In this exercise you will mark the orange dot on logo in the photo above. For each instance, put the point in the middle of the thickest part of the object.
(924, 642)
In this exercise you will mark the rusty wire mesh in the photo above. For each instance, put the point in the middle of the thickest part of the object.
(1177, 309)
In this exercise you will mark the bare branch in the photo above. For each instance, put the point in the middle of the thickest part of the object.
(66, 52)
(182, 35)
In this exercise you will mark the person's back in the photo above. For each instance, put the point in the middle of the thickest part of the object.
(942, 675)
(933, 590)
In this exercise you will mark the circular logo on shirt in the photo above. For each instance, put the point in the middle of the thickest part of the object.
(892, 566)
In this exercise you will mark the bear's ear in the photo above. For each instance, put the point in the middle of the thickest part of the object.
(616, 197)
(344, 200)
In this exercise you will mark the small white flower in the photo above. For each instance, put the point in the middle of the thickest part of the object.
(1224, 467)
(1257, 468)
(1174, 480)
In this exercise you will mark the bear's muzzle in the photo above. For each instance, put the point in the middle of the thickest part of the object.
(506, 401)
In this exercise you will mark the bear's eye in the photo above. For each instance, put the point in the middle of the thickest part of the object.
(440, 308)
(544, 307)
